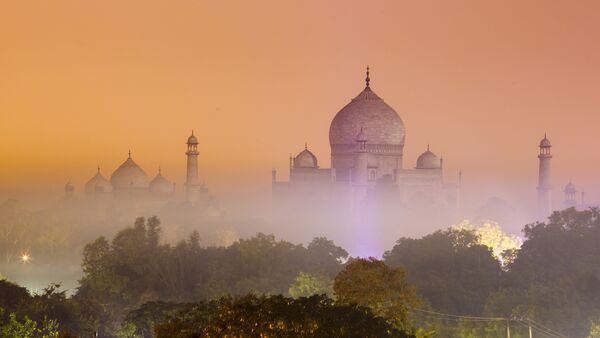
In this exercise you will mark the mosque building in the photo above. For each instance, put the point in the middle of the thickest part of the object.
(132, 188)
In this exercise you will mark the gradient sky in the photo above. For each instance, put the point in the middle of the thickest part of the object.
(82, 82)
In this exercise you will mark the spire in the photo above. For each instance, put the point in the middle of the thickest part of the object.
(98, 168)
(427, 146)
(159, 171)
(367, 80)
(305, 146)
(192, 132)
(129, 154)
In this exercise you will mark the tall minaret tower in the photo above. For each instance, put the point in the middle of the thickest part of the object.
(544, 185)
(192, 186)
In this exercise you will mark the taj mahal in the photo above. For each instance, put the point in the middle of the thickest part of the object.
(369, 186)
(367, 138)
(370, 190)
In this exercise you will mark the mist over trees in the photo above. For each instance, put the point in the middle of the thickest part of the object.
(136, 285)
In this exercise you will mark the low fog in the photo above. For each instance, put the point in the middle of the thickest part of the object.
(52, 228)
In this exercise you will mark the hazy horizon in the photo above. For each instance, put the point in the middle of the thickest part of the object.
(83, 83)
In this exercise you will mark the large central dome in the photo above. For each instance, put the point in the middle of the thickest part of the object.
(382, 125)
(129, 176)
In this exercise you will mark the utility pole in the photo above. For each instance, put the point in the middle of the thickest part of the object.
(508, 328)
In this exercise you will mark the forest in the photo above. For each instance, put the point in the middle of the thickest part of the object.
(446, 284)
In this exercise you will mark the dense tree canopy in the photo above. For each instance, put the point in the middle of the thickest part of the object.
(370, 283)
(452, 271)
(135, 268)
(275, 316)
(134, 281)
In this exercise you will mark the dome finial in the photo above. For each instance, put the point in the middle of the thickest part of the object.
(129, 154)
(427, 146)
(305, 145)
(368, 79)
(98, 168)
(192, 132)
(159, 170)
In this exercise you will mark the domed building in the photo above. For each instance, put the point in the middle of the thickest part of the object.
(131, 187)
(367, 138)
(161, 186)
(384, 127)
(129, 177)
(97, 185)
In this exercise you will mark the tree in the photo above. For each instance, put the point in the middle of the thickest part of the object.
(308, 284)
(594, 330)
(490, 234)
(12, 296)
(557, 272)
(11, 327)
(452, 271)
(275, 316)
(371, 283)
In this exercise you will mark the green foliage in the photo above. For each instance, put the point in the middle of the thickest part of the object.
(11, 327)
(140, 322)
(556, 274)
(594, 330)
(371, 283)
(12, 296)
(490, 234)
(308, 284)
(135, 268)
(275, 316)
(452, 271)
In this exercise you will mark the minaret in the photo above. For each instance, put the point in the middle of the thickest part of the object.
(544, 185)
(570, 195)
(192, 186)
(360, 170)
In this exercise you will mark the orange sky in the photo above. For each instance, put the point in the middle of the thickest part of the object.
(81, 82)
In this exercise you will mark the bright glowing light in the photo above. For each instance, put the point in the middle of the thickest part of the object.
(25, 258)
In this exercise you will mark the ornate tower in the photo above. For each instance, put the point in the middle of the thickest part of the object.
(544, 185)
(570, 195)
(192, 186)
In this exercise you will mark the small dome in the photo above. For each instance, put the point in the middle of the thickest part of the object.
(161, 185)
(428, 160)
(192, 139)
(97, 184)
(306, 159)
(570, 188)
(69, 187)
(129, 176)
(545, 143)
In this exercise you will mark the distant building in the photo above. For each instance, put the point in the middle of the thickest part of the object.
(131, 192)
(367, 139)
(570, 195)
